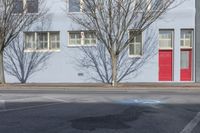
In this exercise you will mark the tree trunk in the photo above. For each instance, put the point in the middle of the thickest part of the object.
(114, 70)
(23, 81)
(2, 77)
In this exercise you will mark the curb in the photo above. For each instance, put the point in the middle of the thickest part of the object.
(101, 87)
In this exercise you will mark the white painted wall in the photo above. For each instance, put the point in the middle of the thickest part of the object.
(62, 67)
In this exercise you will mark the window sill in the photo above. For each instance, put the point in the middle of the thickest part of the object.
(74, 13)
(134, 56)
(165, 48)
(74, 46)
(186, 47)
(41, 51)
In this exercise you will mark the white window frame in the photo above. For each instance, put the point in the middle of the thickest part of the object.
(183, 39)
(134, 55)
(82, 39)
(172, 39)
(48, 42)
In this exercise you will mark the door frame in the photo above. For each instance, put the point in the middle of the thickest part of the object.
(193, 67)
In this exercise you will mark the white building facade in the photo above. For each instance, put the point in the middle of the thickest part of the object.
(173, 62)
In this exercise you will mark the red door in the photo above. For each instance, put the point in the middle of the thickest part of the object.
(165, 65)
(186, 64)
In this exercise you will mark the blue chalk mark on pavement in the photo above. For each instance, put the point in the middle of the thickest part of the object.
(138, 101)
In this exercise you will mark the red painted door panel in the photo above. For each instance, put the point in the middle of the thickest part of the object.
(186, 64)
(165, 65)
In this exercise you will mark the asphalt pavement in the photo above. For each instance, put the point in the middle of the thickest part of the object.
(125, 111)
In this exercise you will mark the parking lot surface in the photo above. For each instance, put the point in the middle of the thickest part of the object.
(61, 111)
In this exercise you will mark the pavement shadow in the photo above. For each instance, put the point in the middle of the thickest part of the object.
(114, 121)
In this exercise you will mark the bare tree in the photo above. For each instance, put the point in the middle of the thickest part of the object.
(97, 62)
(111, 20)
(22, 65)
(15, 17)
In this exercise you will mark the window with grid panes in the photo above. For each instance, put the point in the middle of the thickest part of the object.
(75, 38)
(186, 38)
(42, 40)
(135, 45)
(165, 39)
(54, 40)
(82, 38)
(30, 40)
(89, 38)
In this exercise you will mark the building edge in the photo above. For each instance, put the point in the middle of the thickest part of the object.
(197, 41)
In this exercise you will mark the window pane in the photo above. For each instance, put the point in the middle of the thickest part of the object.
(74, 5)
(29, 41)
(131, 49)
(135, 49)
(75, 38)
(18, 6)
(138, 49)
(75, 35)
(184, 59)
(54, 40)
(135, 46)
(186, 38)
(42, 41)
(32, 6)
(131, 37)
(135, 36)
(90, 38)
(165, 38)
(139, 38)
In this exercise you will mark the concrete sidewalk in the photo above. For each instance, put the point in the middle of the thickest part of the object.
(99, 86)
